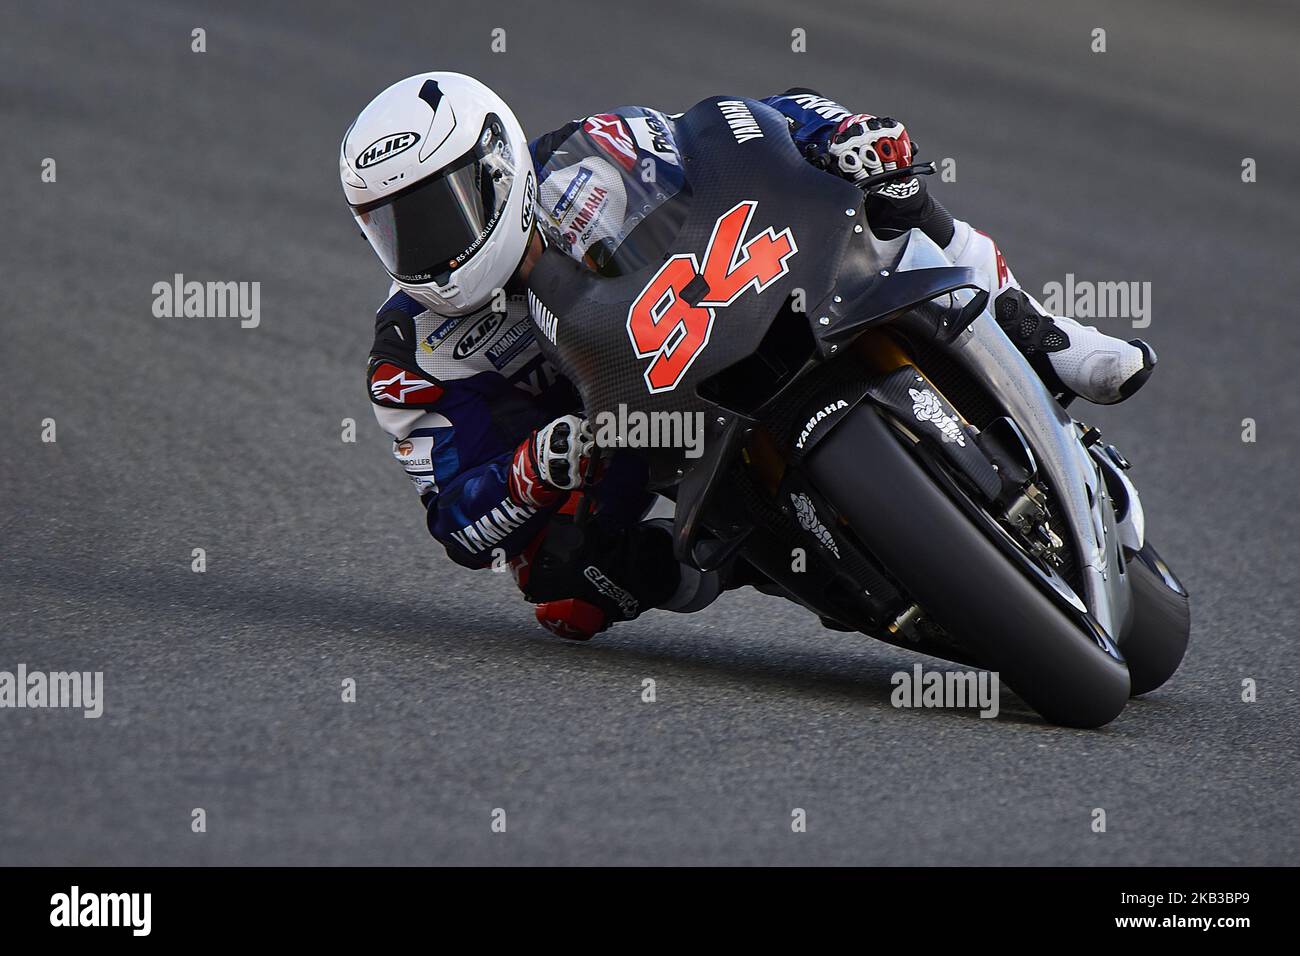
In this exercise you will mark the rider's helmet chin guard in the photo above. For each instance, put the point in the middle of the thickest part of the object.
(438, 175)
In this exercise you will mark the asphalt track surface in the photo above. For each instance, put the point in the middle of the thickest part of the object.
(223, 688)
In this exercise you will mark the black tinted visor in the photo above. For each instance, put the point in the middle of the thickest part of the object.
(430, 229)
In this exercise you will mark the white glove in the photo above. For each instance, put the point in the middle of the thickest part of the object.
(551, 460)
(864, 145)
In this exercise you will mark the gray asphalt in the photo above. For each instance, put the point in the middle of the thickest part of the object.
(222, 689)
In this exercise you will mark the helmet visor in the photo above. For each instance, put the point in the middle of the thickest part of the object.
(425, 232)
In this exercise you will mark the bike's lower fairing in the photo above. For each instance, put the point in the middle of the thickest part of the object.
(917, 271)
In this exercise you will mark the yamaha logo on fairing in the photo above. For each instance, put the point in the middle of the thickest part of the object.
(386, 147)
(477, 334)
(544, 317)
(743, 125)
(813, 422)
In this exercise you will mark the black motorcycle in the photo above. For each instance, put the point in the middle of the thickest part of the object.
(864, 411)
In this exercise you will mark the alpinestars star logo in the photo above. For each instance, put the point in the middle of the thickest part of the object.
(388, 383)
(926, 408)
(525, 485)
(608, 130)
(562, 628)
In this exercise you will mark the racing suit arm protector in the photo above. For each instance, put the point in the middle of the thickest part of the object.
(469, 508)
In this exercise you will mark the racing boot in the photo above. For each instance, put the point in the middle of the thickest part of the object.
(1074, 359)
(574, 618)
(628, 575)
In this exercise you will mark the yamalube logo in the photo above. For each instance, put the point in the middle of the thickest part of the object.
(386, 147)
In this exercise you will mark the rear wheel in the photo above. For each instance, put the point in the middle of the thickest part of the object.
(1157, 637)
(960, 578)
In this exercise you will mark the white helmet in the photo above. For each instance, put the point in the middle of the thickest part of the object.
(438, 175)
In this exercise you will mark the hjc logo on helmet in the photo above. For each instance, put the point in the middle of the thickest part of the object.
(530, 196)
(478, 334)
(386, 147)
(393, 179)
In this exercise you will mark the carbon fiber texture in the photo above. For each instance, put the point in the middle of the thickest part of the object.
(592, 344)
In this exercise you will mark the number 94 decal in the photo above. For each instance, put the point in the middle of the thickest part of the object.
(672, 332)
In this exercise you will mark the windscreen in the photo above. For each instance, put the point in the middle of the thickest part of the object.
(613, 194)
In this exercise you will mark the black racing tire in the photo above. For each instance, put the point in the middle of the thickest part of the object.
(960, 578)
(1156, 639)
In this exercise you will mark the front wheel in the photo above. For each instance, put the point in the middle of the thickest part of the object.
(1156, 640)
(961, 580)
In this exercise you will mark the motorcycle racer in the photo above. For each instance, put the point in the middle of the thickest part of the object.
(459, 206)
